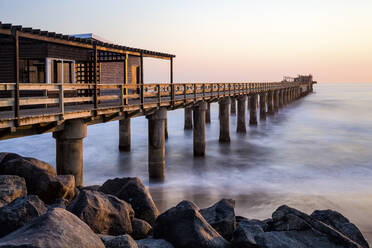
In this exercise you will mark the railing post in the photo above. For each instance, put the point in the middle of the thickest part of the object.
(16, 67)
(185, 93)
(195, 92)
(122, 100)
(203, 85)
(61, 102)
(141, 82)
(126, 79)
(159, 95)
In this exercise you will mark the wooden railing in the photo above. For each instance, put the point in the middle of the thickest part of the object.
(56, 99)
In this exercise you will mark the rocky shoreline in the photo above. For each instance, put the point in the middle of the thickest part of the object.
(39, 208)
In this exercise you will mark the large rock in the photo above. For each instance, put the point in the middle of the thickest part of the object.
(245, 233)
(134, 192)
(184, 226)
(11, 187)
(141, 228)
(20, 212)
(341, 224)
(40, 177)
(105, 214)
(153, 243)
(221, 216)
(122, 241)
(57, 228)
(68, 182)
(292, 228)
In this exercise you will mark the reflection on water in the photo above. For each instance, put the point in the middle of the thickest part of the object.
(314, 154)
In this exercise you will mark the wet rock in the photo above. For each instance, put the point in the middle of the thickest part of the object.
(105, 214)
(20, 212)
(57, 228)
(184, 226)
(245, 233)
(292, 228)
(40, 177)
(91, 187)
(140, 228)
(221, 216)
(11, 187)
(134, 192)
(153, 243)
(341, 224)
(122, 241)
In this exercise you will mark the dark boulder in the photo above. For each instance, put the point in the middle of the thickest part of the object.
(20, 212)
(105, 214)
(57, 228)
(11, 187)
(122, 241)
(221, 216)
(245, 233)
(134, 192)
(153, 243)
(40, 177)
(292, 228)
(184, 226)
(141, 228)
(341, 224)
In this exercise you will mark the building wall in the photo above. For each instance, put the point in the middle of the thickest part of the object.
(113, 72)
(7, 63)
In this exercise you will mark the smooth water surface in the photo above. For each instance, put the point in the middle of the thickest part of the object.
(314, 154)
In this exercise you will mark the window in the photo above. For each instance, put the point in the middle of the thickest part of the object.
(61, 71)
(32, 70)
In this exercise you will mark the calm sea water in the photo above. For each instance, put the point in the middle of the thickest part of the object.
(313, 154)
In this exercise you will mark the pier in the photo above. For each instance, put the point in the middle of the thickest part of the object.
(84, 95)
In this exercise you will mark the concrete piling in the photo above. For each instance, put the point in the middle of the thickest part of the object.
(208, 113)
(270, 102)
(69, 149)
(224, 113)
(241, 125)
(156, 144)
(188, 118)
(253, 110)
(124, 135)
(233, 106)
(262, 106)
(199, 140)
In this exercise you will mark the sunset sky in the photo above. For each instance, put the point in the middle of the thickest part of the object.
(222, 40)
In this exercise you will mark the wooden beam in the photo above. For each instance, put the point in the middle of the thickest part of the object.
(95, 75)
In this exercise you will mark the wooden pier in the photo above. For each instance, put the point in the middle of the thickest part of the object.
(66, 108)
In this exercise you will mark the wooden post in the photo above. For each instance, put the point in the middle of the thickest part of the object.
(16, 68)
(141, 82)
(61, 103)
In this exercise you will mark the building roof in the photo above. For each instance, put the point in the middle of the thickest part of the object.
(82, 40)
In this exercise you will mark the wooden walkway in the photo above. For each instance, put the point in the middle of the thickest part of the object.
(57, 103)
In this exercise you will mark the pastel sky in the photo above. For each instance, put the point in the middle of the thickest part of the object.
(231, 40)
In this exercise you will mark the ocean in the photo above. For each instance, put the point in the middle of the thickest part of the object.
(313, 154)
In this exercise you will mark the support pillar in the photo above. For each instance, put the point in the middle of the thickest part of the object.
(69, 149)
(199, 129)
(208, 113)
(188, 118)
(124, 135)
(166, 129)
(263, 106)
(224, 112)
(270, 102)
(253, 110)
(276, 100)
(233, 106)
(241, 126)
(281, 98)
(156, 146)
